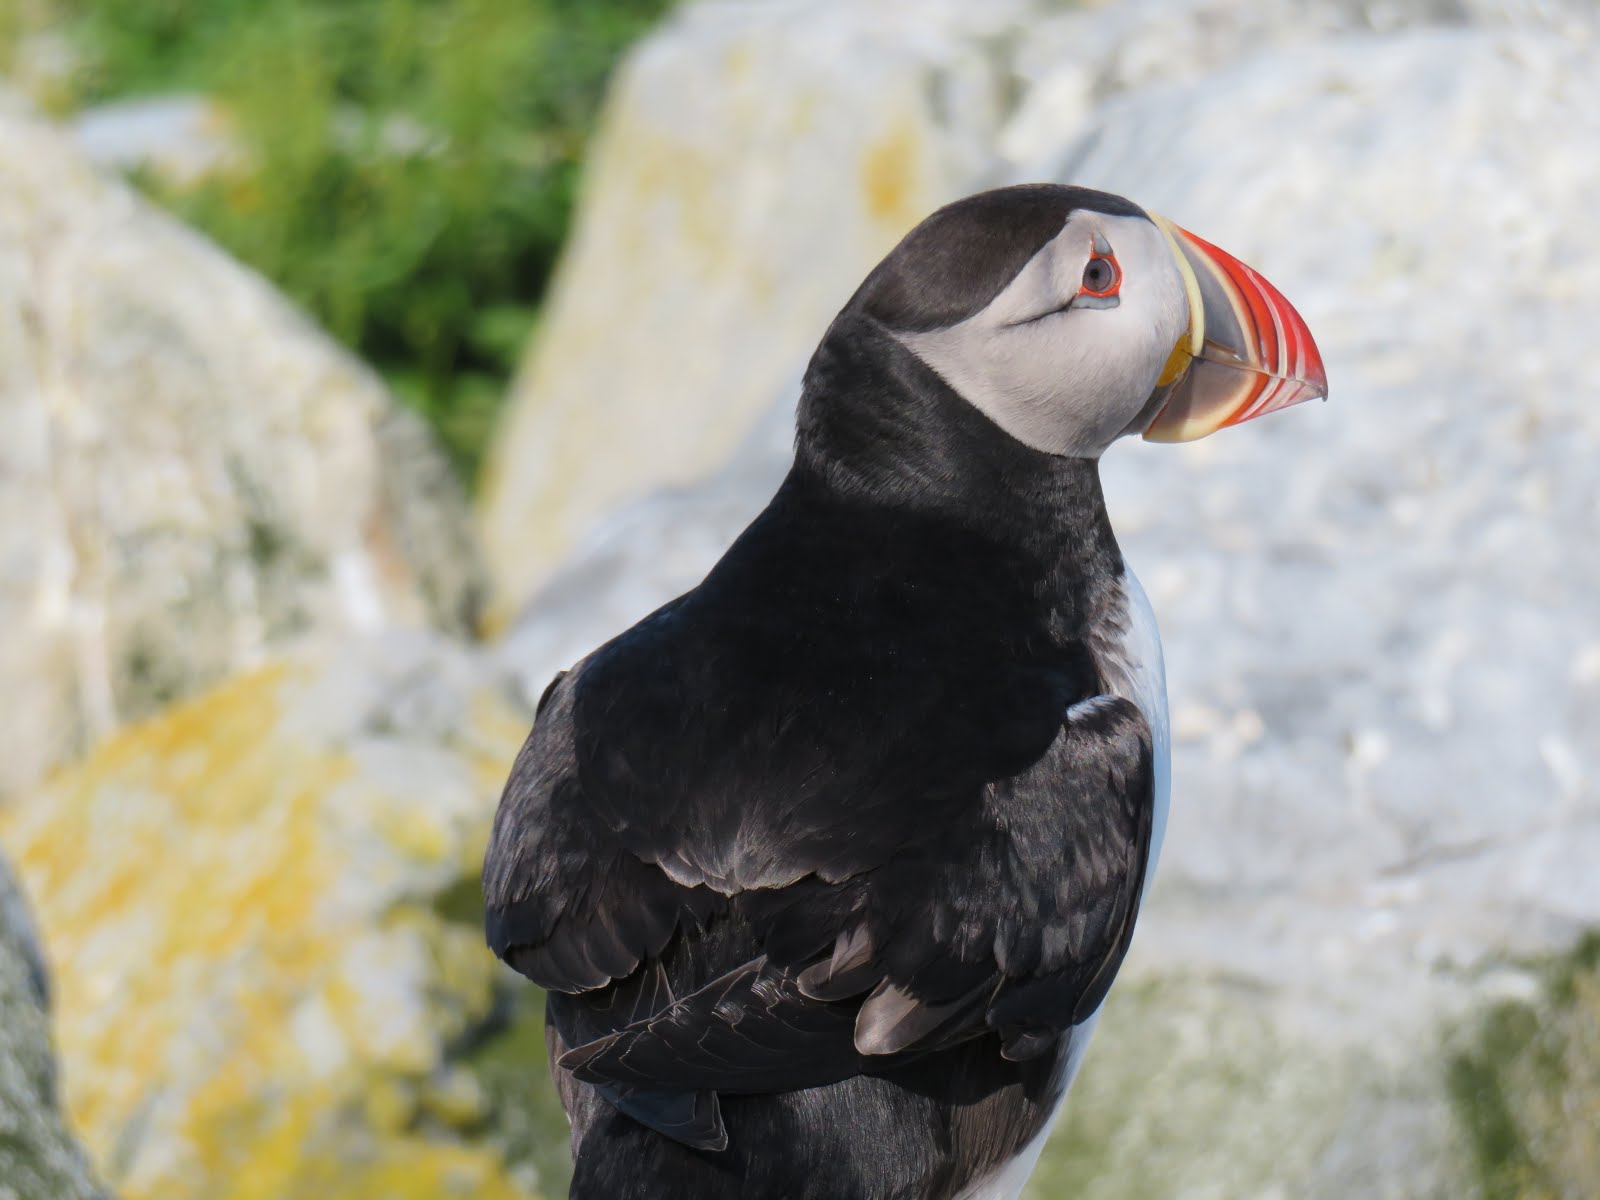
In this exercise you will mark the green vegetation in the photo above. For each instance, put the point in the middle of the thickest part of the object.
(521, 1114)
(1525, 1087)
(405, 169)
(524, 1118)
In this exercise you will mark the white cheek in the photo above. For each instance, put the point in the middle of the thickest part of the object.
(1071, 382)
(1137, 335)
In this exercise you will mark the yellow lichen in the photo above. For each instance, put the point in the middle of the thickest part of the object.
(889, 179)
(253, 990)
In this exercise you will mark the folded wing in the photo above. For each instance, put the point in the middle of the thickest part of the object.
(993, 907)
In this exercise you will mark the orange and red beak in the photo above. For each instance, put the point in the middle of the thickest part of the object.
(1246, 352)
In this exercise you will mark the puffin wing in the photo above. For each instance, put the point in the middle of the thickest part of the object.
(1016, 926)
(751, 1030)
(707, 753)
(1017, 932)
(571, 908)
(565, 903)
(808, 820)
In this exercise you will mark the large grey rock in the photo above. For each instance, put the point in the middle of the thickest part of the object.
(1379, 613)
(753, 157)
(757, 156)
(1384, 591)
(39, 1160)
(190, 474)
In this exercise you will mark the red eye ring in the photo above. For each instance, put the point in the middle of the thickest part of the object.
(1102, 276)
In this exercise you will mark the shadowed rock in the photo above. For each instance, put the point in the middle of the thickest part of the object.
(39, 1159)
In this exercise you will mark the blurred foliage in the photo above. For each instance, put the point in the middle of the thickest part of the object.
(525, 1121)
(521, 1115)
(405, 169)
(1525, 1087)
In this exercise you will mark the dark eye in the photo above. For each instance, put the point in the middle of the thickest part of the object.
(1101, 277)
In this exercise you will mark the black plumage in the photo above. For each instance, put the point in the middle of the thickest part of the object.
(822, 862)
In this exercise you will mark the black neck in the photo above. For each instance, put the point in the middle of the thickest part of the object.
(878, 426)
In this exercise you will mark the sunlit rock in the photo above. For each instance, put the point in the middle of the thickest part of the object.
(1390, 582)
(249, 906)
(755, 159)
(190, 474)
(758, 156)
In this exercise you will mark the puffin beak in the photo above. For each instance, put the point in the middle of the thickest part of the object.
(1246, 353)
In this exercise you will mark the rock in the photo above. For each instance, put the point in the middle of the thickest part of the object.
(190, 475)
(1378, 612)
(182, 138)
(1197, 1087)
(1075, 57)
(757, 158)
(1526, 1080)
(1381, 591)
(753, 159)
(645, 554)
(1389, 753)
(39, 1160)
(262, 913)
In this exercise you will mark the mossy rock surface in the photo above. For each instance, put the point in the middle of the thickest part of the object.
(1193, 1090)
(257, 993)
(1206, 1088)
(1524, 1081)
(39, 1159)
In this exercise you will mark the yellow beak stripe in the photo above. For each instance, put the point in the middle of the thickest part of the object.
(1177, 362)
(1191, 288)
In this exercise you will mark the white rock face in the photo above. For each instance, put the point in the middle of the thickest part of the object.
(759, 155)
(754, 157)
(1380, 614)
(1397, 576)
(189, 473)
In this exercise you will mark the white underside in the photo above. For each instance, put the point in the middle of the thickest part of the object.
(1006, 1183)
(1141, 676)
(1137, 673)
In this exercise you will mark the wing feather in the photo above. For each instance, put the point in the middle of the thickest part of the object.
(859, 887)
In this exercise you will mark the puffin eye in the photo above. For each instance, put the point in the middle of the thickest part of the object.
(1101, 276)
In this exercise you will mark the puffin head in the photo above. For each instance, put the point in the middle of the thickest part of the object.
(1070, 317)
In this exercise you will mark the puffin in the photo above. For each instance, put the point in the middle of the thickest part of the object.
(826, 866)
